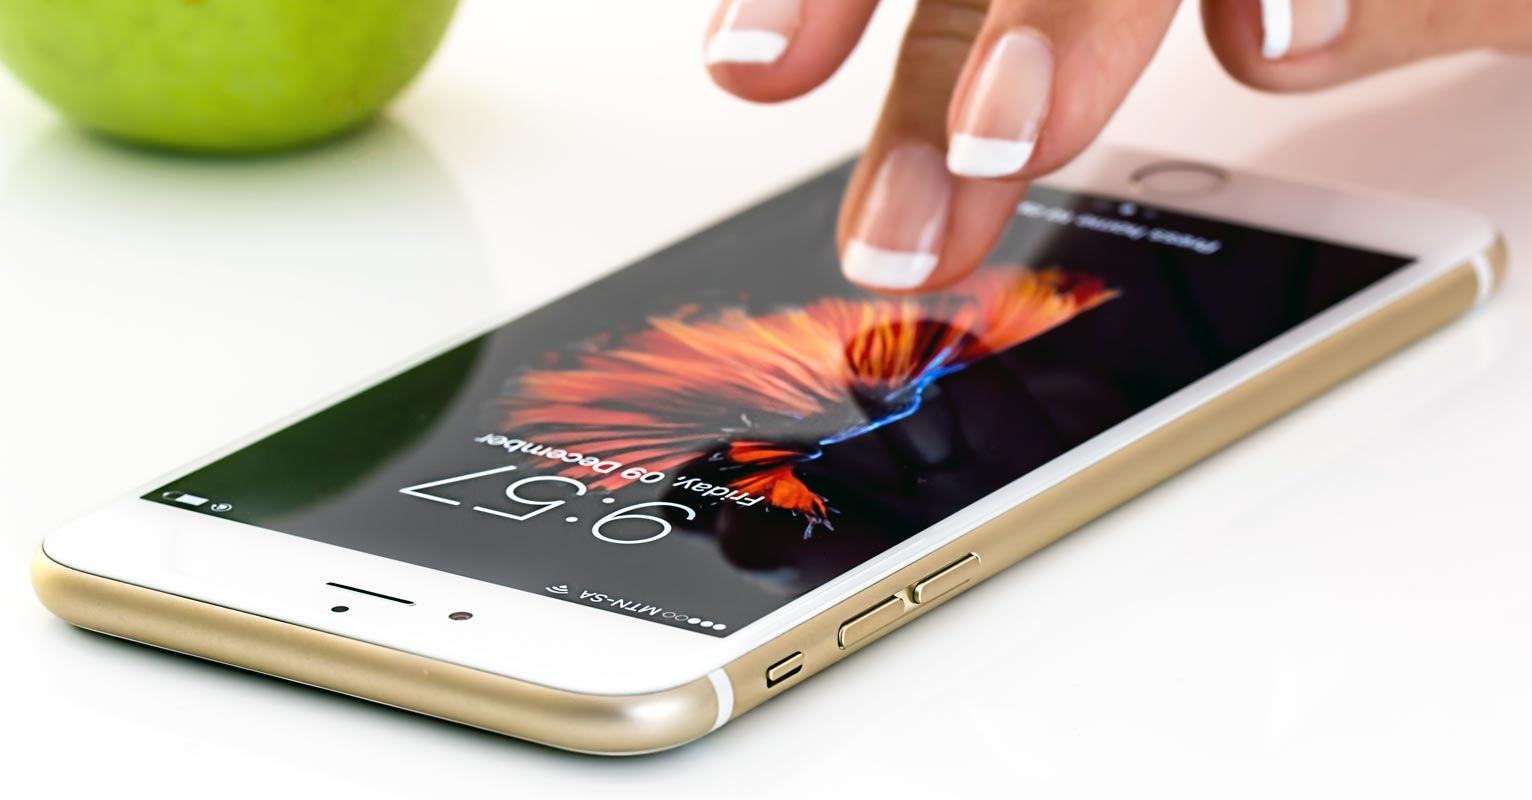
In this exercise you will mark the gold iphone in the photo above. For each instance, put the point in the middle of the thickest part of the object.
(617, 522)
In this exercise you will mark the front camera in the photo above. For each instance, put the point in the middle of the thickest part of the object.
(460, 615)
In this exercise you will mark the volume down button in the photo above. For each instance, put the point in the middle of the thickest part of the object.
(870, 621)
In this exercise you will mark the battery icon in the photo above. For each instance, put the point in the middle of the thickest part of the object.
(183, 497)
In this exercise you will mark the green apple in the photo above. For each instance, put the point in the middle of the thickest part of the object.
(225, 76)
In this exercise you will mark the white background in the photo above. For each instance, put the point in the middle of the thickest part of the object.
(1338, 606)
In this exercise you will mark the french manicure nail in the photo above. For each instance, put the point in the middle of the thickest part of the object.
(1295, 27)
(754, 31)
(996, 127)
(898, 237)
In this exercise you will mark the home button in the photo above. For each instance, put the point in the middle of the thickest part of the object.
(1178, 179)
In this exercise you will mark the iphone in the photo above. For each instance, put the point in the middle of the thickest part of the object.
(621, 520)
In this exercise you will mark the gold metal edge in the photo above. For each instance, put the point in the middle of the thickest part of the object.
(1499, 262)
(606, 725)
(1092, 492)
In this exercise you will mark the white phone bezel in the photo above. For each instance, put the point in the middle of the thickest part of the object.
(566, 646)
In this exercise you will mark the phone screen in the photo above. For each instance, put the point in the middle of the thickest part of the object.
(706, 435)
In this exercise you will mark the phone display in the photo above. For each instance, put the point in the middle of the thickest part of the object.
(704, 436)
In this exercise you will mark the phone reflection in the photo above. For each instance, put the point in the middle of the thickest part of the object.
(242, 287)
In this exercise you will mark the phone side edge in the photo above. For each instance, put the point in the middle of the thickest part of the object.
(1498, 258)
(594, 724)
(1033, 525)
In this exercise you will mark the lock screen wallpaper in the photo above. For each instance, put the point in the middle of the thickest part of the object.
(704, 436)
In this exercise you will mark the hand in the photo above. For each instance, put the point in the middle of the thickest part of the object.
(988, 94)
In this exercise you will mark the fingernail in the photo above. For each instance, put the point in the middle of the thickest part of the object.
(899, 233)
(1002, 111)
(1295, 27)
(754, 31)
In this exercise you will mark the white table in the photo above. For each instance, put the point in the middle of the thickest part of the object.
(1338, 606)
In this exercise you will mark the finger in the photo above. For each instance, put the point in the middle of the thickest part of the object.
(1296, 45)
(1043, 80)
(771, 50)
(1053, 72)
